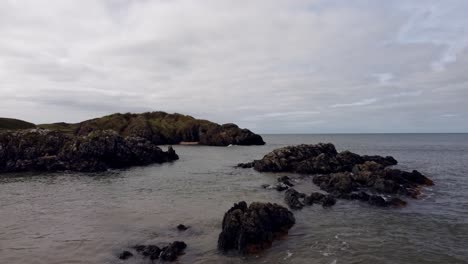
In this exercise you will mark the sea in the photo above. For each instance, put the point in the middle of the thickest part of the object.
(52, 218)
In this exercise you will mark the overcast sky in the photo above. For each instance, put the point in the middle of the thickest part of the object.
(271, 66)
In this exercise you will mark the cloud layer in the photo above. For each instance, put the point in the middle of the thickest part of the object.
(273, 66)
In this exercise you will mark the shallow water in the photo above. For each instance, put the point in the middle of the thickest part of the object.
(90, 218)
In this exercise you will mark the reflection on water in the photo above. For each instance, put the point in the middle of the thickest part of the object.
(90, 218)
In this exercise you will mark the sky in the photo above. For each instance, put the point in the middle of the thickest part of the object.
(283, 66)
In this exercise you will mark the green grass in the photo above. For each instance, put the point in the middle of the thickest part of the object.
(14, 124)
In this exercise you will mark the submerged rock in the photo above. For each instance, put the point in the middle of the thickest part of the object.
(294, 199)
(182, 227)
(45, 150)
(125, 255)
(168, 253)
(172, 251)
(249, 229)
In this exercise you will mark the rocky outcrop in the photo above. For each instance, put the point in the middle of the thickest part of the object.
(46, 150)
(344, 175)
(162, 128)
(313, 159)
(250, 229)
(375, 178)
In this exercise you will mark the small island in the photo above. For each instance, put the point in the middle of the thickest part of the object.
(109, 142)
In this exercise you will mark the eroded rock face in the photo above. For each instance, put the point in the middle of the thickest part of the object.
(249, 229)
(45, 150)
(321, 158)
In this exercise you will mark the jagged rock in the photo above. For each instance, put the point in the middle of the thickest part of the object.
(319, 198)
(172, 251)
(328, 201)
(314, 198)
(341, 182)
(245, 165)
(285, 180)
(182, 227)
(249, 229)
(45, 150)
(151, 251)
(294, 199)
(377, 201)
(313, 159)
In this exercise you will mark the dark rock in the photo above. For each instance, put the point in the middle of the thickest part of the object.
(314, 198)
(377, 201)
(397, 202)
(328, 201)
(341, 182)
(182, 227)
(361, 196)
(281, 187)
(172, 251)
(125, 255)
(245, 165)
(45, 150)
(152, 252)
(139, 248)
(385, 161)
(253, 228)
(286, 180)
(294, 199)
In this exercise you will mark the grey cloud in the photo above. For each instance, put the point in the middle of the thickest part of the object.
(273, 66)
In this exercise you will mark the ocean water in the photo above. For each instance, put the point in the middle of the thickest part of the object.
(90, 218)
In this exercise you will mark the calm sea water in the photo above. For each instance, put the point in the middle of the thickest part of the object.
(90, 218)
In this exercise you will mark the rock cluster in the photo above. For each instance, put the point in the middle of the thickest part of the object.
(249, 229)
(46, 150)
(168, 253)
(344, 175)
(312, 159)
(296, 200)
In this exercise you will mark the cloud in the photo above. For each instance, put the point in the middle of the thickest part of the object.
(363, 102)
(275, 66)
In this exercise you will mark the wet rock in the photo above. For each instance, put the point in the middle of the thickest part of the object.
(125, 255)
(281, 187)
(245, 165)
(361, 196)
(45, 150)
(341, 182)
(285, 180)
(249, 229)
(377, 201)
(172, 251)
(294, 199)
(151, 251)
(397, 202)
(385, 161)
(182, 227)
(321, 158)
(328, 201)
(314, 198)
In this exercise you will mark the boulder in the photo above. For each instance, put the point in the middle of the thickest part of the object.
(249, 229)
